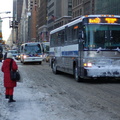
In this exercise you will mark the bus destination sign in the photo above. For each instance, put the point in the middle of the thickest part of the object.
(108, 20)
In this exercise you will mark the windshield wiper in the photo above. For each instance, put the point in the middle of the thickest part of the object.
(99, 49)
(118, 49)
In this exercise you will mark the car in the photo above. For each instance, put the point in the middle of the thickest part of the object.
(47, 58)
(14, 53)
(18, 56)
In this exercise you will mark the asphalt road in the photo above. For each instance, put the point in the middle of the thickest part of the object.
(102, 96)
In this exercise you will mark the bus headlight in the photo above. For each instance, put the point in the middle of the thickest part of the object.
(87, 64)
(25, 56)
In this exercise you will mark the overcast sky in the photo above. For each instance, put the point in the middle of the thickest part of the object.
(6, 5)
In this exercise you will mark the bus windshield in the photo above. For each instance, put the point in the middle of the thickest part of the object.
(102, 36)
(32, 49)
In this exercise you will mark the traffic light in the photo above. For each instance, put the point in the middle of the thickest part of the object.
(14, 24)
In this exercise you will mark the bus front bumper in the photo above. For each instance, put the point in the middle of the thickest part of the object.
(30, 59)
(107, 71)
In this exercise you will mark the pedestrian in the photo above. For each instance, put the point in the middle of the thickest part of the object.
(5, 55)
(1, 55)
(8, 83)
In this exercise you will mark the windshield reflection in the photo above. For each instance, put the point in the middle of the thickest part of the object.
(102, 36)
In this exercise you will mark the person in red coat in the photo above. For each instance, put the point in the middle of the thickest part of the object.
(8, 83)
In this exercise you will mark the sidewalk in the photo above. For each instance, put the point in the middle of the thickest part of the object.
(27, 105)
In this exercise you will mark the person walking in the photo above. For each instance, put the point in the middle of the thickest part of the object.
(1, 54)
(5, 55)
(8, 83)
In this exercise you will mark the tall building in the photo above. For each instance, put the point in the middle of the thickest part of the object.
(19, 9)
(28, 21)
(14, 31)
(14, 9)
(65, 13)
(107, 7)
(59, 13)
(82, 7)
(33, 20)
(41, 26)
(23, 30)
(19, 12)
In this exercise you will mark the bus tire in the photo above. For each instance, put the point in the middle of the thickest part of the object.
(54, 68)
(76, 76)
(40, 62)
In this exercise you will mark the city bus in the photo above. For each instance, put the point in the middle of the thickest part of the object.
(88, 47)
(31, 52)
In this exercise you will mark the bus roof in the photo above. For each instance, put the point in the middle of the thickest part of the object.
(79, 19)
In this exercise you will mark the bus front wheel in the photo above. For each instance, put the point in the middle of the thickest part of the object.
(76, 76)
(54, 68)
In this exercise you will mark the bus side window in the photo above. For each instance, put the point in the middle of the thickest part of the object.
(75, 30)
(52, 40)
(66, 35)
(62, 37)
(59, 39)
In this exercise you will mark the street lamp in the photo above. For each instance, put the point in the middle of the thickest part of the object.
(6, 12)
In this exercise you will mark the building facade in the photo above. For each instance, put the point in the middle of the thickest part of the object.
(107, 7)
(33, 20)
(65, 13)
(59, 13)
(82, 7)
(41, 27)
(39, 17)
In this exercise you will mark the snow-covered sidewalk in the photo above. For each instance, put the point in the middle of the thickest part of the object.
(27, 105)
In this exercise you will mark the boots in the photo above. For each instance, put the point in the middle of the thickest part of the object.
(7, 96)
(11, 99)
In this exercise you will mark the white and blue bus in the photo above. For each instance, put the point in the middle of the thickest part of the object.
(31, 52)
(88, 47)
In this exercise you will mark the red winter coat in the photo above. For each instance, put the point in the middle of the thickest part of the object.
(6, 70)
